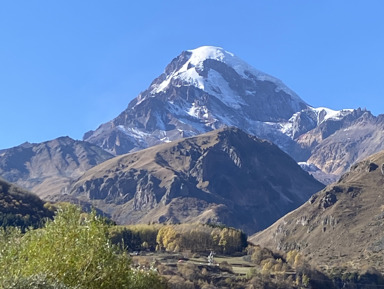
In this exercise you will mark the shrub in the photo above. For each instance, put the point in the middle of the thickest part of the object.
(73, 250)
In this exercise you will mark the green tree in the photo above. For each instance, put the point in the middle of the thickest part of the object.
(73, 249)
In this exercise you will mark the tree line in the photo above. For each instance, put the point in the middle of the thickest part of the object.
(200, 238)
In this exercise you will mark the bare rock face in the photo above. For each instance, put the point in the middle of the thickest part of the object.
(224, 176)
(46, 168)
(344, 220)
(328, 200)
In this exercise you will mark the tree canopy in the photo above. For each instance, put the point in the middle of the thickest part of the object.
(74, 251)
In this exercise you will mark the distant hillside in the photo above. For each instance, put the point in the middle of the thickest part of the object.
(341, 226)
(224, 176)
(45, 168)
(20, 208)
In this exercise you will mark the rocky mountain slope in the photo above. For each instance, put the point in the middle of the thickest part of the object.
(209, 88)
(47, 167)
(224, 176)
(339, 144)
(342, 225)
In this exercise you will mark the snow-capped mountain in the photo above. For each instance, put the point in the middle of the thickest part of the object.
(200, 90)
(227, 78)
(208, 88)
(310, 118)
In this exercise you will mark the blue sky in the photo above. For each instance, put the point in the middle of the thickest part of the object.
(68, 66)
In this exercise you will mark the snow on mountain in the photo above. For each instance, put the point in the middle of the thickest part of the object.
(209, 88)
(310, 118)
(215, 84)
(200, 90)
(324, 113)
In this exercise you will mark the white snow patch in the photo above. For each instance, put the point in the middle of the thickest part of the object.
(176, 109)
(219, 87)
(324, 113)
(165, 139)
(188, 74)
(191, 76)
(286, 127)
(309, 167)
(195, 111)
(132, 131)
(202, 114)
(162, 86)
(140, 99)
(319, 115)
(241, 67)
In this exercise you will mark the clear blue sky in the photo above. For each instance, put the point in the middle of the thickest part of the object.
(68, 66)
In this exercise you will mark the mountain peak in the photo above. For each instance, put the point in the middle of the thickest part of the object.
(220, 74)
(200, 54)
(200, 90)
(210, 52)
(204, 53)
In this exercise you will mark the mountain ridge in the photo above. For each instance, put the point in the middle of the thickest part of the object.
(222, 176)
(44, 168)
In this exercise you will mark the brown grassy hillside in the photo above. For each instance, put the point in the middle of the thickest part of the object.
(224, 176)
(340, 226)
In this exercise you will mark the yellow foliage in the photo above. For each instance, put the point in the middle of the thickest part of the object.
(291, 256)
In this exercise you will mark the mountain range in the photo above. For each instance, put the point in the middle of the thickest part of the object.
(201, 90)
(45, 168)
(221, 177)
(208, 88)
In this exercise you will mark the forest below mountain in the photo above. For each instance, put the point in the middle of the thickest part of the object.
(83, 250)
